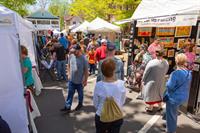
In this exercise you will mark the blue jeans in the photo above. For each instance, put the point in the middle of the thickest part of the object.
(61, 69)
(171, 116)
(92, 68)
(72, 87)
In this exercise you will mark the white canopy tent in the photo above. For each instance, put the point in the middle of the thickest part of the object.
(56, 32)
(100, 25)
(82, 28)
(165, 13)
(13, 29)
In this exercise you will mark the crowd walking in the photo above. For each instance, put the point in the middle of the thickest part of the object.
(74, 61)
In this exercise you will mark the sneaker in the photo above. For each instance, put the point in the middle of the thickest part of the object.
(78, 107)
(65, 109)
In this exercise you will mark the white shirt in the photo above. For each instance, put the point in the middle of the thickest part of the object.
(104, 89)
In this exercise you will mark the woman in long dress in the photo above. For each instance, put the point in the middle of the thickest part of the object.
(153, 79)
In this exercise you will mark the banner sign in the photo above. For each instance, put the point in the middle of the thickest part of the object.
(144, 31)
(169, 21)
(165, 31)
(167, 42)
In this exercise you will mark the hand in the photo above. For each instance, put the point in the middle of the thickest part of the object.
(85, 83)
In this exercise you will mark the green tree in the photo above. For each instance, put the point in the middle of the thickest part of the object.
(58, 8)
(106, 9)
(19, 6)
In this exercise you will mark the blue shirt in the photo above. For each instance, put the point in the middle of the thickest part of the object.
(64, 42)
(28, 75)
(178, 86)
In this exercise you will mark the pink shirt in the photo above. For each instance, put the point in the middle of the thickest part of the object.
(152, 49)
(190, 56)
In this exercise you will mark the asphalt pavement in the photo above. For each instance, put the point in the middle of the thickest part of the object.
(136, 119)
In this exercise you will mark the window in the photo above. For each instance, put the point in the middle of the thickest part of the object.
(33, 21)
(55, 22)
(43, 22)
(74, 22)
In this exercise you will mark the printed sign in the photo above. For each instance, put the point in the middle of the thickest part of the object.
(144, 31)
(169, 21)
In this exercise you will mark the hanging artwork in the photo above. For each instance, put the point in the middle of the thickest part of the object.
(171, 53)
(181, 43)
(165, 31)
(167, 42)
(183, 31)
(144, 31)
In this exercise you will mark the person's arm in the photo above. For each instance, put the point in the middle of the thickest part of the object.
(123, 98)
(68, 69)
(146, 73)
(171, 83)
(99, 75)
(122, 70)
(86, 74)
(95, 98)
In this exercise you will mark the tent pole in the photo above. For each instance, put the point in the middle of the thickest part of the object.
(131, 41)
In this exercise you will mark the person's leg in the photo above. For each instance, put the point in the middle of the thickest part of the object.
(100, 127)
(93, 68)
(79, 88)
(115, 126)
(90, 68)
(71, 91)
(58, 69)
(171, 117)
(64, 70)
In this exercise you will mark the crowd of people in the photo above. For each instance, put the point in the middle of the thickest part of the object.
(74, 61)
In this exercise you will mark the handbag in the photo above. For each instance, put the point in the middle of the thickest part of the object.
(166, 94)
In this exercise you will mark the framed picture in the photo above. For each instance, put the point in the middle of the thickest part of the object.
(167, 42)
(165, 52)
(171, 53)
(183, 31)
(197, 59)
(144, 31)
(181, 44)
(197, 50)
(165, 31)
(170, 62)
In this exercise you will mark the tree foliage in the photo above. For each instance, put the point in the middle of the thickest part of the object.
(106, 9)
(58, 8)
(19, 6)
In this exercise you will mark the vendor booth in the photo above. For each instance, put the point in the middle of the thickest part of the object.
(81, 28)
(14, 31)
(172, 22)
(105, 28)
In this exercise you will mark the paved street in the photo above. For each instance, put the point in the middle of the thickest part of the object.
(136, 119)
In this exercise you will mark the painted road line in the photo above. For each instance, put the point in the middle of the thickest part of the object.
(150, 123)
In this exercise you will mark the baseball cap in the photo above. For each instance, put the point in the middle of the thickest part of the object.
(111, 47)
(77, 47)
(104, 41)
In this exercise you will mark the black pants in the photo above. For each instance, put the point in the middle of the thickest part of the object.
(92, 68)
(111, 127)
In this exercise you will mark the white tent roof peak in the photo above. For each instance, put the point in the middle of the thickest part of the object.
(82, 28)
(159, 8)
(100, 25)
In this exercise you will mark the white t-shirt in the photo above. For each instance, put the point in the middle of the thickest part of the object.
(104, 89)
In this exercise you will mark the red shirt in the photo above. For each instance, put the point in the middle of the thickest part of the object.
(101, 53)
